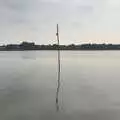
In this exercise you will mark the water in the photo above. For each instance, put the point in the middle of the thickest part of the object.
(90, 85)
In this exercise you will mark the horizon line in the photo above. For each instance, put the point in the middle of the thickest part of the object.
(3, 44)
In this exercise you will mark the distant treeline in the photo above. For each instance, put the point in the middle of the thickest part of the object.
(32, 46)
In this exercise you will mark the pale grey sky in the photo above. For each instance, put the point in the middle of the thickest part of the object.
(80, 21)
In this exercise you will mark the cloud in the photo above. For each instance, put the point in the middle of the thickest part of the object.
(36, 19)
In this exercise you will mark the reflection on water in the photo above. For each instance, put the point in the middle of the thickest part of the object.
(28, 55)
(58, 81)
(90, 86)
(57, 92)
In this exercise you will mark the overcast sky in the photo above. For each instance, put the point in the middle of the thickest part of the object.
(80, 21)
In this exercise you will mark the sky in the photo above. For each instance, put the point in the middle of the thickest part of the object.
(80, 21)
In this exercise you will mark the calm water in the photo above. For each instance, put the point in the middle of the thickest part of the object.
(90, 85)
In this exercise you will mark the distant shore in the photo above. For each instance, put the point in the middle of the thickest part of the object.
(32, 46)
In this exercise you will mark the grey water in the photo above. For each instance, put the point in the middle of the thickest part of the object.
(90, 85)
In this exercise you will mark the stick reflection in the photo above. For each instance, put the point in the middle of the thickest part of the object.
(58, 90)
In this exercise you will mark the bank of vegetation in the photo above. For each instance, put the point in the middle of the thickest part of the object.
(33, 46)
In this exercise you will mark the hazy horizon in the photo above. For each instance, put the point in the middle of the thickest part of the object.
(18, 43)
(80, 21)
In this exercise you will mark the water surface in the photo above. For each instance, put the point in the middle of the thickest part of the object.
(90, 85)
